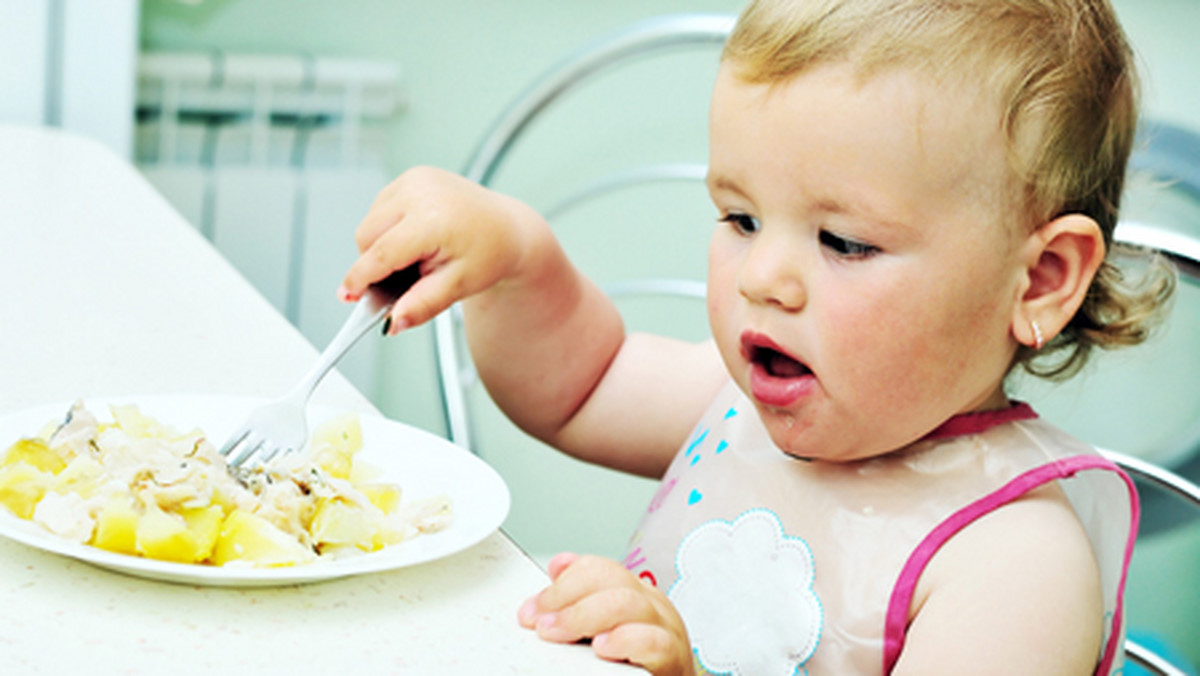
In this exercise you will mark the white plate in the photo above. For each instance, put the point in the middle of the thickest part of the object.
(422, 464)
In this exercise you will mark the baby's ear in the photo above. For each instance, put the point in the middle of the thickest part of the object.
(1061, 259)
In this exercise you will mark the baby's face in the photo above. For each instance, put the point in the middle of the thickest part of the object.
(863, 279)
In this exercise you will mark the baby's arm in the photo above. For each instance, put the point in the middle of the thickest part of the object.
(548, 344)
(1017, 592)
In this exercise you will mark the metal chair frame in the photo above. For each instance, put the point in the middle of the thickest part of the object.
(651, 36)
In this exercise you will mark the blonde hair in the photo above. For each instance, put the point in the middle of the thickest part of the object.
(1064, 73)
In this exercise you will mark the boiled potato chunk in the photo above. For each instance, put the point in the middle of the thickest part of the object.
(35, 453)
(363, 472)
(204, 523)
(83, 475)
(384, 496)
(138, 425)
(162, 536)
(388, 534)
(187, 537)
(116, 526)
(248, 537)
(339, 523)
(334, 444)
(21, 487)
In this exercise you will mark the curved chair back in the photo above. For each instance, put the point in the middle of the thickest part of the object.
(639, 40)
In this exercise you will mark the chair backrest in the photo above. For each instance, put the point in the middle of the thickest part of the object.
(1170, 485)
(1169, 498)
(651, 37)
(455, 372)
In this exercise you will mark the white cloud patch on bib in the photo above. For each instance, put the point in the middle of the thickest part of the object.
(745, 591)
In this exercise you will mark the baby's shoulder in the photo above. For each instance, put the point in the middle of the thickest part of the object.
(1037, 536)
(1025, 571)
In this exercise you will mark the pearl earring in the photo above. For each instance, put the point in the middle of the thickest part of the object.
(1038, 339)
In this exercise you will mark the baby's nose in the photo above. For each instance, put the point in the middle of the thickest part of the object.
(771, 274)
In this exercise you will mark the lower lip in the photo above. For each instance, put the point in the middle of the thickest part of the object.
(778, 392)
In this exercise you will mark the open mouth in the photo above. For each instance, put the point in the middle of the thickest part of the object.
(776, 378)
(778, 364)
(763, 353)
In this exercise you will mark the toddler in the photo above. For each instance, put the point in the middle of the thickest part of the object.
(914, 197)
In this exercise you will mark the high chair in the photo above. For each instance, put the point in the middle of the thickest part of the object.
(636, 190)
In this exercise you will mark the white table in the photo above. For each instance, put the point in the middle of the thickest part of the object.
(108, 292)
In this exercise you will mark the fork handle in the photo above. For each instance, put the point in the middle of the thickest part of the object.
(369, 311)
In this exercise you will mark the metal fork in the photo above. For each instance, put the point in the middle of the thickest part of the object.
(282, 425)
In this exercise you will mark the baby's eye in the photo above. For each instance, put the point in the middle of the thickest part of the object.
(847, 248)
(742, 223)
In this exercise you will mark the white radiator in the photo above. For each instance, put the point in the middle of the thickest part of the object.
(275, 159)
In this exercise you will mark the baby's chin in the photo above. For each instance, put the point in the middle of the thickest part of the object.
(789, 433)
(808, 442)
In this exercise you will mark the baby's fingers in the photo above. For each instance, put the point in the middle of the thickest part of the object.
(559, 563)
(384, 214)
(405, 193)
(649, 646)
(395, 249)
(437, 290)
(576, 576)
(595, 614)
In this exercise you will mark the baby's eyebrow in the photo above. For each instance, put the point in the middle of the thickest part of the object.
(859, 209)
(722, 182)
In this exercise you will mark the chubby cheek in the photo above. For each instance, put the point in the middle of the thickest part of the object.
(910, 349)
(721, 300)
(717, 303)
(723, 326)
(880, 352)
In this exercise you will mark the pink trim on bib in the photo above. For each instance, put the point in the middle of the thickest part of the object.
(896, 619)
(981, 421)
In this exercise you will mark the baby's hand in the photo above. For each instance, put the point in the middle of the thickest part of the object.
(627, 620)
(464, 237)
